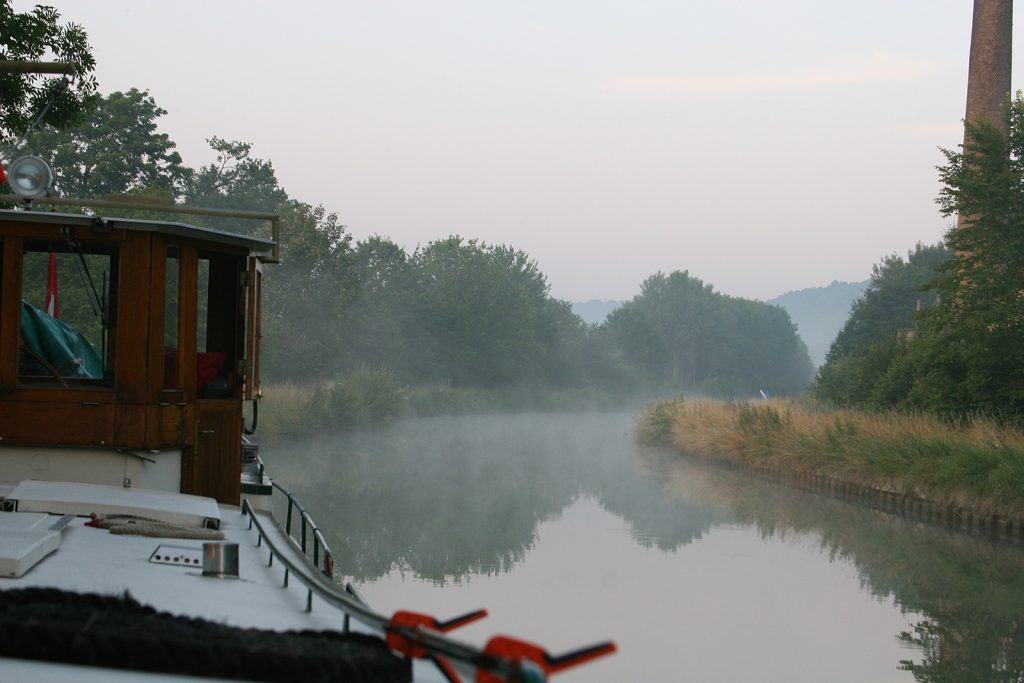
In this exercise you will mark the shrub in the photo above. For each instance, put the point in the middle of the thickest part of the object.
(654, 426)
(289, 408)
(366, 398)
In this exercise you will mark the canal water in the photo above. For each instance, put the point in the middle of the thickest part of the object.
(568, 533)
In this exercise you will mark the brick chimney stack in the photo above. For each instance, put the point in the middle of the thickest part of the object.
(988, 77)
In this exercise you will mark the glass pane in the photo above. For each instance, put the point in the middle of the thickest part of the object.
(219, 325)
(66, 309)
(171, 318)
(203, 302)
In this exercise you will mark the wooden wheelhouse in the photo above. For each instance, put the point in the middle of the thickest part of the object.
(169, 315)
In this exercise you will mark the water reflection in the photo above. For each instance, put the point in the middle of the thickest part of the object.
(442, 498)
(970, 590)
(449, 499)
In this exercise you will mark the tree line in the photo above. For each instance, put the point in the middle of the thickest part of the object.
(942, 330)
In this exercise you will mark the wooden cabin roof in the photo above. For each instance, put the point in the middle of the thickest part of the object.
(255, 245)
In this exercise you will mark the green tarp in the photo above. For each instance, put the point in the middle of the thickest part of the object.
(61, 345)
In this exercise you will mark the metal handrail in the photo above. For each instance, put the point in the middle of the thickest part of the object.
(320, 547)
(348, 601)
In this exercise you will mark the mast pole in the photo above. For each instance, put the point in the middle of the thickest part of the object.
(14, 66)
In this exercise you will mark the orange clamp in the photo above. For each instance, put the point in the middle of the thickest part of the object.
(400, 639)
(521, 652)
(403, 621)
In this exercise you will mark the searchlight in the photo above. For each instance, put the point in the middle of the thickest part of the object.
(30, 178)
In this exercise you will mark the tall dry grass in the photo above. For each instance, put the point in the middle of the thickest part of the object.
(289, 408)
(366, 398)
(977, 464)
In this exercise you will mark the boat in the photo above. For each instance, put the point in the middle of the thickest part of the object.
(141, 536)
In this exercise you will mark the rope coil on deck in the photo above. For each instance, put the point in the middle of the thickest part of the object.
(133, 525)
(120, 633)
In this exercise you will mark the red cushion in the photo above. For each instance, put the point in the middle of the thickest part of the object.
(208, 364)
(207, 367)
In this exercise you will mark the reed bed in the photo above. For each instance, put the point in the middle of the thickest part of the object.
(975, 465)
(289, 408)
(367, 398)
(372, 398)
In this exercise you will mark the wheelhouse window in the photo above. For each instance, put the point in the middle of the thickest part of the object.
(68, 313)
(203, 321)
(172, 287)
(219, 324)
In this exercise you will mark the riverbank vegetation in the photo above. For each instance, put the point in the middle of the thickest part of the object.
(371, 398)
(962, 354)
(367, 398)
(977, 464)
(922, 392)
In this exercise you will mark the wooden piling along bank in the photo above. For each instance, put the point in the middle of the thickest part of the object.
(951, 517)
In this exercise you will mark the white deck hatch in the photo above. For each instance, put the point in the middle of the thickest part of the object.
(66, 498)
(26, 539)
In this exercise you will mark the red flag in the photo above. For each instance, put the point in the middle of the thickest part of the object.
(50, 302)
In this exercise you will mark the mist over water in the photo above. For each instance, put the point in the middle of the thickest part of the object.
(569, 533)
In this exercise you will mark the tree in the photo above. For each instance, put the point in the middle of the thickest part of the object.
(971, 358)
(484, 312)
(889, 303)
(759, 348)
(568, 360)
(680, 333)
(307, 296)
(236, 180)
(631, 334)
(382, 317)
(857, 367)
(463, 312)
(114, 149)
(681, 307)
(967, 357)
(39, 35)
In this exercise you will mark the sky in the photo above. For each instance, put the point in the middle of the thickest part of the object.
(762, 146)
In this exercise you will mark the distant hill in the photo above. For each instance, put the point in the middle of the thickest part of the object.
(595, 310)
(820, 312)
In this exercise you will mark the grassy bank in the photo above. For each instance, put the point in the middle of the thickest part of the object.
(367, 398)
(371, 398)
(977, 466)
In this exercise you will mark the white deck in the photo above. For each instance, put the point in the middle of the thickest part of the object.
(25, 539)
(92, 560)
(59, 497)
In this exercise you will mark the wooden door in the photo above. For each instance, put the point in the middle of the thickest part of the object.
(216, 457)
